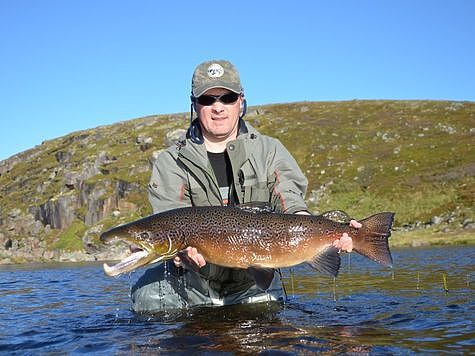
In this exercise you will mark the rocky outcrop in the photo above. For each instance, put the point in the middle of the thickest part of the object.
(23, 234)
(31, 246)
(58, 213)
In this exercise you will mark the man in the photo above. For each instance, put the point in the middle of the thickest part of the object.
(221, 161)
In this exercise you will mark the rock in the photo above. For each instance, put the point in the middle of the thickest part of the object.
(155, 155)
(8, 244)
(126, 207)
(48, 255)
(36, 228)
(134, 170)
(445, 128)
(102, 158)
(123, 188)
(14, 245)
(253, 113)
(71, 180)
(14, 213)
(144, 142)
(436, 220)
(98, 206)
(90, 240)
(468, 224)
(63, 156)
(7, 165)
(37, 253)
(172, 137)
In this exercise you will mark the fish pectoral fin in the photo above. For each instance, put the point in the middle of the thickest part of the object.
(262, 276)
(327, 261)
(256, 207)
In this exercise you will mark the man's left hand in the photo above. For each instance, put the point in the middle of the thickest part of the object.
(345, 242)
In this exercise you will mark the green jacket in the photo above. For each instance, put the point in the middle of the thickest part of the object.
(263, 171)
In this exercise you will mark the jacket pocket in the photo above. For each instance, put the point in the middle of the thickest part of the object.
(253, 187)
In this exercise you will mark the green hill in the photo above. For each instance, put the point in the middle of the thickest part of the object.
(412, 157)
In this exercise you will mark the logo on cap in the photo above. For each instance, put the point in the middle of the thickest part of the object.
(215, 70)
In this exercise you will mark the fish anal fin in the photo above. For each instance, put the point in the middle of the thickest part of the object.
(262, 276)
(327, 261)
(256, 207)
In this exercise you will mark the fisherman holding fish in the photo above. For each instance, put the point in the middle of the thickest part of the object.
(222, 161)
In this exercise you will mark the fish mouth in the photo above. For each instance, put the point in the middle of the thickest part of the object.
(141, 255)
(138, 257)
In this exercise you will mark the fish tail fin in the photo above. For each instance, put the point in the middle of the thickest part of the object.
(372, 238)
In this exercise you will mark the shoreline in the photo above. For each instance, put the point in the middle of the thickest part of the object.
(429, 237)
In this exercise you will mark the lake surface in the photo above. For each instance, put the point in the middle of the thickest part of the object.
(424, 304)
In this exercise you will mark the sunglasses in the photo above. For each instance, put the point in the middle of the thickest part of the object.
(207, 100)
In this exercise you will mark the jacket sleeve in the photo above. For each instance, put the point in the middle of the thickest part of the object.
(287, 183)
(168, 187)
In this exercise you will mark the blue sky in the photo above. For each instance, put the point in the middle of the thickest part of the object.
(70, 65)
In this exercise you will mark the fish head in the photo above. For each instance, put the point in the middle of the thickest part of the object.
(147, 246)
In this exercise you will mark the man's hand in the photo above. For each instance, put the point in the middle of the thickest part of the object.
(345, 242)
(189, 258)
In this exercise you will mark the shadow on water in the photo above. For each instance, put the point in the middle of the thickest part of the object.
(425, 304)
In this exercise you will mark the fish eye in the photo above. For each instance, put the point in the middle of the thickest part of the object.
(144, 235)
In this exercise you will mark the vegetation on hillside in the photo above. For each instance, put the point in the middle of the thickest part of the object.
(412, 157)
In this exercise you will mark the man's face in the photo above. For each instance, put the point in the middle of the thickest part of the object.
(218, 120)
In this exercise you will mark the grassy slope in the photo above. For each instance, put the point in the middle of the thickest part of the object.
(383, 155)
(411, 157)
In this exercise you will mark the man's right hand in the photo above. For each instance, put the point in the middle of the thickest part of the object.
(189, 258)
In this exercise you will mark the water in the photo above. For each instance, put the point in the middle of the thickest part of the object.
(74, 308)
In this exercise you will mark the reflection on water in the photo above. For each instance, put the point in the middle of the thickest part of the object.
(368, 309)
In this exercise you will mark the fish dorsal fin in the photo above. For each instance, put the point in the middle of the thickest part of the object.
(327, 261)
(256, 207)
(262, 276)
(337, 216)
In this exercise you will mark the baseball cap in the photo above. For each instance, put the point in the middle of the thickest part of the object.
(215, 74)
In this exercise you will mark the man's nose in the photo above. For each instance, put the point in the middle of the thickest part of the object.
(218, 106)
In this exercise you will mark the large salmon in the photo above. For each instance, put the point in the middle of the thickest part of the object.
(250, 237)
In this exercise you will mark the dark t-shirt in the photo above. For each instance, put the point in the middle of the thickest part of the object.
(221, 167)
(223, 172)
